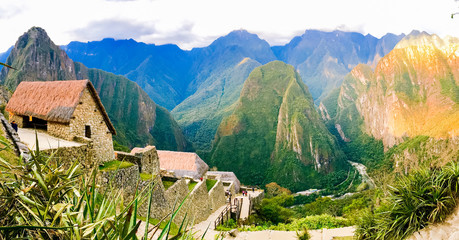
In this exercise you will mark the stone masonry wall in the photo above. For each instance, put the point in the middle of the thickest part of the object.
(18, 119)
(160, 205)
(60, 130)
(87, 113)
(125, 179)
(127, 157)
(149, 160)
(20, 148)
(69, 155)
(198, 205)
(175, 195)
(217, 196)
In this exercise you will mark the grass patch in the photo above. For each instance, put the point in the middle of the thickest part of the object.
(167, 184)
(309, 222)
(191, 185)
(114, 165)
(154, 221)
(146, 176)
(210, 184)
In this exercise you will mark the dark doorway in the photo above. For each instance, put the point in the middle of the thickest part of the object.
(87, 131)
(33, 122)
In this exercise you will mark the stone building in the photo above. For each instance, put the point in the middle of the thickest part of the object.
(183, 164)
(69, 110)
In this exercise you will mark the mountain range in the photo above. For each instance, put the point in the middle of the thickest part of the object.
(201, 86)
(291, 114)
(409, 102)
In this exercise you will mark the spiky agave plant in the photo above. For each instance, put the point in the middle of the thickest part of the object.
(416, 200)
(44, 199)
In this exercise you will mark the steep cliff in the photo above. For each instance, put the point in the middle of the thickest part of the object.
(275, 133)
(413, 91)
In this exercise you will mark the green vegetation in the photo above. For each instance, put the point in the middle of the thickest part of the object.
(43, 199)
(191, 185)
(7, 152)
(303, 235)
(167, 184)
(147, 177)
(210, 184)
(174, 230)
(450, 88)
(416, 200)
(114, 165)
(405, 86)
(254, 140)
(228, 225)
(119, 147)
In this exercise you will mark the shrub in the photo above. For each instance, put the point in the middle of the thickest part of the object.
(273, 189)
(416, 200)
(273, 209)
(303, 235)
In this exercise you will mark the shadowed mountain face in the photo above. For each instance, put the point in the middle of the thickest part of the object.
(275, 133)
(136, 117)
(201, 86)
(413, 91)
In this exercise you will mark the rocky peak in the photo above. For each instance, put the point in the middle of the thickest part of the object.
(38, 59)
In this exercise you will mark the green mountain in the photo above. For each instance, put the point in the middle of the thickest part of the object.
(408, 103)
(136, 117)
(275, 133)
(200, 85)
(220, 71)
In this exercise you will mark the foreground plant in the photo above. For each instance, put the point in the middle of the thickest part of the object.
(421, 198)
(45, 199)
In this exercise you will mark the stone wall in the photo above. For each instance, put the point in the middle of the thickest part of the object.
(256, 200)
(448, 230)
(175, 194)
(60, 130)
(127, 157)
(125, 179)
(69, 155)
(20, 148)
(232, 188)
(197, 204)
(149, 160)
(18, 119)
(88, 114)
(160, 205)
(217, 196)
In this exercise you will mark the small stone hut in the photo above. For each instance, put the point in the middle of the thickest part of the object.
(183, 164)
(70, 110)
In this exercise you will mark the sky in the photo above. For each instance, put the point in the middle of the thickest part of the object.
(196, 23)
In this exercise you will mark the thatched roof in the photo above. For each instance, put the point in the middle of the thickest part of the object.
(183, 163)
(53, 101)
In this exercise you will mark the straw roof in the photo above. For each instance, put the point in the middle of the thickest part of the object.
(182, 162)
(53, 101)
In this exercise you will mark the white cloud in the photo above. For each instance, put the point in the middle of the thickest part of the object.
(196, 23)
